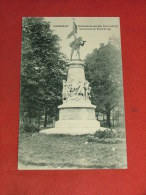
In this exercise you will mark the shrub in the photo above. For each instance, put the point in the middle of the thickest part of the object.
(105, 140)
(107, 136)
(107, 133)
(121, 133)
(28, 127)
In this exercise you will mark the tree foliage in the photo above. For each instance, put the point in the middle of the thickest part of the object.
(42, 70)
(103, 71)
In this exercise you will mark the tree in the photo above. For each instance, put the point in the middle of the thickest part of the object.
(43, 68)
(103, 71)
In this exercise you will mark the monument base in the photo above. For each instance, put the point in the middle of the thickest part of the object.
(74, 127)
(76, 114)
(76, 118)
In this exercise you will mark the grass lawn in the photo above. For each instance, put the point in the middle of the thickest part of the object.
(39, 151)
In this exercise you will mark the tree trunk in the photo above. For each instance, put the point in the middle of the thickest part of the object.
(108, 115)
(53, 122)
(113, 118)
(39, 120)
(45, 122)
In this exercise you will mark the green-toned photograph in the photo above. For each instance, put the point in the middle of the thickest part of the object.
(71, 96)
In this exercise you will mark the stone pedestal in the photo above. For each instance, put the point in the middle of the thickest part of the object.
(76, 114)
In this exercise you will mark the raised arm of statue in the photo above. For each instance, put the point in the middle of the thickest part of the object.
(75, 45)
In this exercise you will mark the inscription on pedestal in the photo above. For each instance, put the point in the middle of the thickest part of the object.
(77, 114)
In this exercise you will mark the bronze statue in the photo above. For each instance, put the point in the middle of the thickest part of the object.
(75, 45)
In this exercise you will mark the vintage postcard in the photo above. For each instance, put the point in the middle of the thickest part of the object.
(71, 102)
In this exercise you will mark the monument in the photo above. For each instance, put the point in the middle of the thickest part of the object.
(76, 114)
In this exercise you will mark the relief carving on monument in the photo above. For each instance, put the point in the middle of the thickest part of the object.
(76, 90)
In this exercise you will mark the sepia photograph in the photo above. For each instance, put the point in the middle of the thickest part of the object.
(71, 94)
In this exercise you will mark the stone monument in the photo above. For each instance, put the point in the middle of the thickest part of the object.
(76, 114)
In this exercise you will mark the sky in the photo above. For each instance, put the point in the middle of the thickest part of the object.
(94, 30)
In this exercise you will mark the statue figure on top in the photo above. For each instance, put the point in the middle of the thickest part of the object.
(75, 45)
